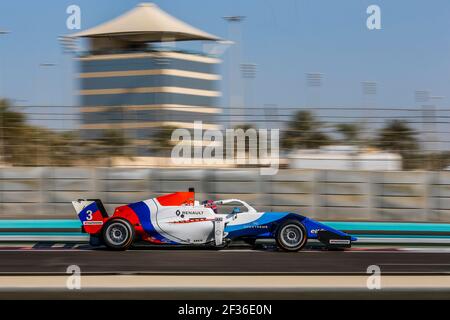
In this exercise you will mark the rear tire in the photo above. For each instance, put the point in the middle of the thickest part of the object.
(118, 234)
(291, 236)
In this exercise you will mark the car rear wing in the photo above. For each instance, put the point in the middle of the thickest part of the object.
(97, 204)
(92, 214)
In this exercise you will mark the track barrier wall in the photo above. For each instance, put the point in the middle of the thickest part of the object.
(46, 193)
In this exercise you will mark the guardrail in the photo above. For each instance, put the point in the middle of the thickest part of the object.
(367, 232)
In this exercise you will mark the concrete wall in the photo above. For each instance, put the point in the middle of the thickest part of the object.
(34, 193)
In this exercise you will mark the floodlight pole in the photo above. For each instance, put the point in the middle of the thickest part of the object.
(2, 143)
(234, 100)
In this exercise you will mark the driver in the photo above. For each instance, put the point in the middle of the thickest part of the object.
(210, 204)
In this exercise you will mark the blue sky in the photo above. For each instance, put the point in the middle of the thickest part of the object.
(285, 38)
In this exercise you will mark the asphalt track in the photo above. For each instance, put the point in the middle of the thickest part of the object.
(232, 261)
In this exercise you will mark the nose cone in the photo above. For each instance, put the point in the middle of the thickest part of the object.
(353, 239)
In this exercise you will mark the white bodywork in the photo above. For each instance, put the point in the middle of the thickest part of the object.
(197, 224)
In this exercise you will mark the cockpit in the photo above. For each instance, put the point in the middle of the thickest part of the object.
(214, 205)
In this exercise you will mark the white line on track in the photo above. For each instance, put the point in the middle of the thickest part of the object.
(416, 264)
(433, 250)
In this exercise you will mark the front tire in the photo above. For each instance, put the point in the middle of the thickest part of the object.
(118, 234)
(291, 236)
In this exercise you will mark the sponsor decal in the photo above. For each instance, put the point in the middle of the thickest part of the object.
(199, 213)
(192, 220)
(183, 213)
(339, 241)
(257, 227)
(178, 213)
(93, 223)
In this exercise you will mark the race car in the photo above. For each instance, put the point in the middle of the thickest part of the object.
(178, 219)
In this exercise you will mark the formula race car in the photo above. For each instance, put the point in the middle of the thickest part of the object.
(178, 219)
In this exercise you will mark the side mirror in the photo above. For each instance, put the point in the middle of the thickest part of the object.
(236, 210)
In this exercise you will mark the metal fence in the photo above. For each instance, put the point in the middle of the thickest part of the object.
(52, 136)
(38, 193)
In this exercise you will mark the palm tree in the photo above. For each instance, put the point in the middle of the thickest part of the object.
(304, 131)
(22, 144)
(64, 148)
(161, 141)
(350, 132)
(13, 133)
(397, 136)
(114, 143)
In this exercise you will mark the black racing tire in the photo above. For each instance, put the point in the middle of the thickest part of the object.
(118, 234)
(291, 236)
